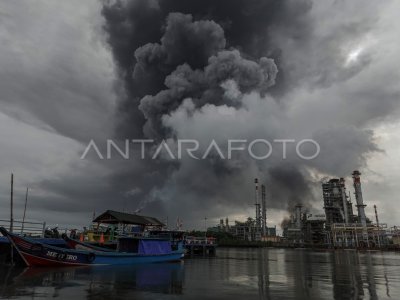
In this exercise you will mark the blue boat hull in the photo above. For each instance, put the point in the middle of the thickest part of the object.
(51, 257)
(39, 254)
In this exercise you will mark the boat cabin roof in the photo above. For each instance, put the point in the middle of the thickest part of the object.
(116, 217)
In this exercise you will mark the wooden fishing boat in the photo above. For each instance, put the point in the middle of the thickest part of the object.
(5, 249)
(129, 251)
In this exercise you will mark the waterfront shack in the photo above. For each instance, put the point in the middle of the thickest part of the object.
(112, 223)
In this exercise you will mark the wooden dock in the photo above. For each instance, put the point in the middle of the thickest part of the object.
(200, 246)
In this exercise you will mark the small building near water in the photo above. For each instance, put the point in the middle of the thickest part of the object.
(112, 223)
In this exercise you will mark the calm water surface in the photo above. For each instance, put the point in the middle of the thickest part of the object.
(233, 274)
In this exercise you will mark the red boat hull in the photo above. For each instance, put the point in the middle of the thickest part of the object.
(32, 260)
(42, 255)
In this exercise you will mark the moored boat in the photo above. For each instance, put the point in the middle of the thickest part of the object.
(129, 251)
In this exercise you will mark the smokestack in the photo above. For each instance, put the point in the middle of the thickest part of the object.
(298, 216)
(377, 225)
(376, 216)
(359, 199)
(257, 204)
(344, 199)
(264, 210)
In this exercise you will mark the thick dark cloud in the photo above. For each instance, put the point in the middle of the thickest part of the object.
(190, 32)
(54, 75)
(207, 87)
(287, 182)
(198, 69)
(183, 62)
(348, 145)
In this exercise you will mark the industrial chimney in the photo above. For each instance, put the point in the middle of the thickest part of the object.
(377, 225)
(298, 216)
(376, 216)
(359, 199)
(257, 204)
(264, 210)
(344, 199)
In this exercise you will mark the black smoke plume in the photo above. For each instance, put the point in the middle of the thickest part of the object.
(205, 55)
(150, 39)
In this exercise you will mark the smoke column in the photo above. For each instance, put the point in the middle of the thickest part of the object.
(180, 61)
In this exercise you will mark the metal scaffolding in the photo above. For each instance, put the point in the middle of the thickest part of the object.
(357, 235)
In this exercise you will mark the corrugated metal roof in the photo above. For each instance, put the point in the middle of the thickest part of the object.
(114, 217)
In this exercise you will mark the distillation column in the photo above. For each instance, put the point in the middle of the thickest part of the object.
(257, 204)
(378, 227)
(360, 203)
(298, 215)
(344, 199)
(264, 211)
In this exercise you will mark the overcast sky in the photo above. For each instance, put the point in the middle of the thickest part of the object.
(75, 71)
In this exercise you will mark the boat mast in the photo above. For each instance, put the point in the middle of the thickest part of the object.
(12, 204)
(23, 218)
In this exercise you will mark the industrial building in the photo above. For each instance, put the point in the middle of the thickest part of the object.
(247, 230)
(252, 229)
(359, 231)
(337, 204)
(339, 227)
(304, 229)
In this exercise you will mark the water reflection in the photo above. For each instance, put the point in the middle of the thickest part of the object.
(340, 275)
(304, 274)
(263, 275)
(346, 275)
(106, 282)
(361, 275)
(233, 274)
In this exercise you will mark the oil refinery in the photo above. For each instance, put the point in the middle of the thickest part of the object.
(343, 224)
(339, 227)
